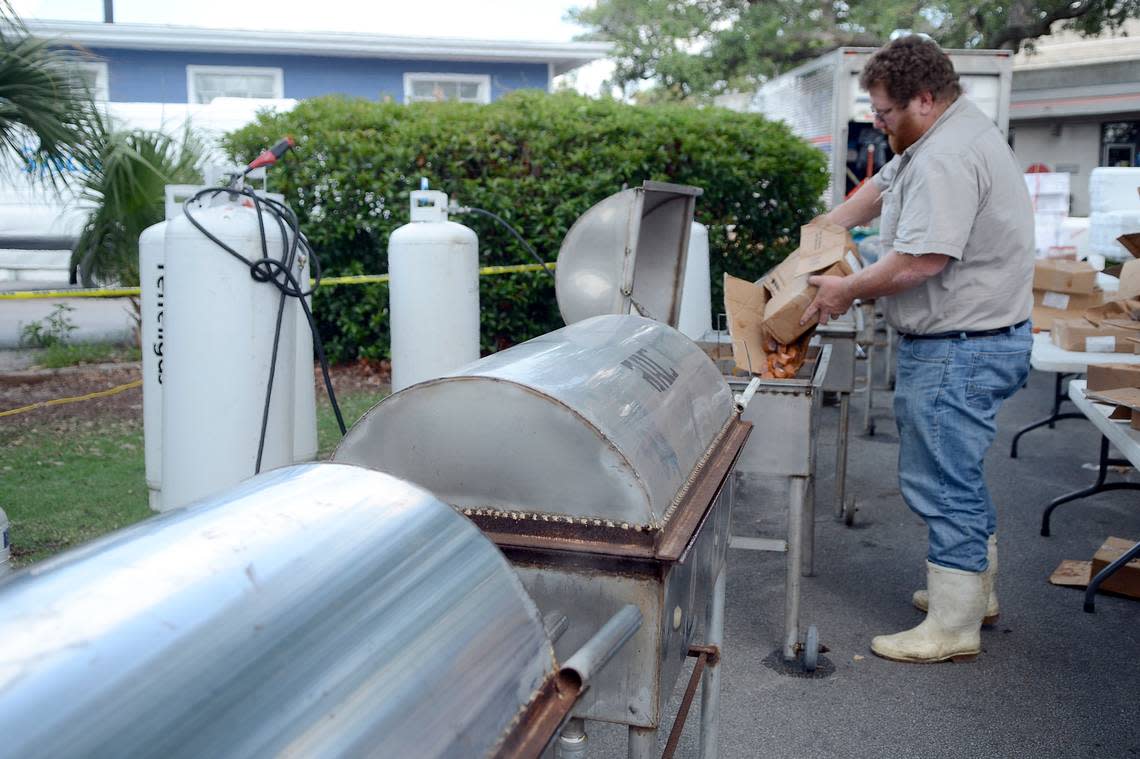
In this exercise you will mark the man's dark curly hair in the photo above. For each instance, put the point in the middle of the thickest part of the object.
(910, 65)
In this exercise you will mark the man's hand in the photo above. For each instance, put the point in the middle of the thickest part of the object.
(832, 300)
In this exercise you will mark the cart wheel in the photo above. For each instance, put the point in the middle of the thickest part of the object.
(811, 649)
(849, 512)
(871, 428)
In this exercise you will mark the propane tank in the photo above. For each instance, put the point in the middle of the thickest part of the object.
(219, 330)
(152, 337)
(152, 303)
(305, 407)
(6, 546)
(696, 293)
(433, 265)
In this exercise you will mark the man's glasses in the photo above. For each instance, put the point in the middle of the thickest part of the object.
(882, 115)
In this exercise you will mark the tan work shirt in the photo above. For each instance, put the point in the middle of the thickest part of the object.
(958, 191)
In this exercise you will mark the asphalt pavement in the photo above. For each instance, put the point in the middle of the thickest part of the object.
(1052, 681)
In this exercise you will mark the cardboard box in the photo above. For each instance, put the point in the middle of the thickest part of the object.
(1043, 318)
(1059, 275)
(1084, 336)
(1125, 580)
(1131, 243)
(1123, 398)
(744, 304)
(824, 249)
(1075, 302)
(1112, 376)
(1114, 309)
(1130, 280)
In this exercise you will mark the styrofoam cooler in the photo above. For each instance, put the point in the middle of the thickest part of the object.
(1049, 192)
(1106, 226)
(1047, 232)
(1114, 189)
(1075, 234)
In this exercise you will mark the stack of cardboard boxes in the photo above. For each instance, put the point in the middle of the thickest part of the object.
(1063, 289)
(1111, 327)
(768, 311)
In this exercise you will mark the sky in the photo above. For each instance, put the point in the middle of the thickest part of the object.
(542, 20)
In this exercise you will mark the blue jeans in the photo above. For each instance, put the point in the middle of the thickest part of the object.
(947, 394)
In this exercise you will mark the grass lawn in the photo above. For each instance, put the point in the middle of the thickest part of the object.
(63, 485)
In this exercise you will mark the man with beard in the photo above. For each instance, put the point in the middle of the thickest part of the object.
(956, 226)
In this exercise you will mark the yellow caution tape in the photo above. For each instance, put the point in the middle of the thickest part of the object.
(75, 399)
(357, 279)
(91, 292)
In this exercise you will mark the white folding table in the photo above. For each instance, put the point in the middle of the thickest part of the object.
(1127, 441)
(1048, 357)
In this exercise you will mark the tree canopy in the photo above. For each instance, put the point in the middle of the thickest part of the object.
(698, 48)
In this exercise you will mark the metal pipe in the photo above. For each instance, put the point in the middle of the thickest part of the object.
(841, 455)
(642, 742)
(598, 650)
(710, 688)
(869, 390)
(742, 399)
(572, 743)
(797, 494)
(807, 565)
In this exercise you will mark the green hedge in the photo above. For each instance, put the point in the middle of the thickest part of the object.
(538, 160)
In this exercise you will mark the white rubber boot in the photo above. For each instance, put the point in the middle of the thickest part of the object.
(921, 599)
(952, 628)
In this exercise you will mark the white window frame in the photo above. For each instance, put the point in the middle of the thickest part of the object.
(192, 69)
(101, 92)
(483, 80)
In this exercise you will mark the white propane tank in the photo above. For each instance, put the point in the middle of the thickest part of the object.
(219, 329)
(433, 265)
(152, 297)
(696, 293)
(6, 550)
(305, 407)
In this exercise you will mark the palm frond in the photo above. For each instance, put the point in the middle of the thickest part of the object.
(126, 183)
(45, 110)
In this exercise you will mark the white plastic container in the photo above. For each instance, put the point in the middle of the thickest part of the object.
(152, 305)
(305, 407)
(1105, 227)
(5, 545)
(219, 326)
(1114, 189)
(433, 266)
(696, 292)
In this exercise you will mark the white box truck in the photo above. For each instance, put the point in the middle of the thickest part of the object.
(823, 103)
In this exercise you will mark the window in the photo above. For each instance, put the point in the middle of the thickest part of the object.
(466, 88)
(1118, 143)
(93, 76)
(204, 83)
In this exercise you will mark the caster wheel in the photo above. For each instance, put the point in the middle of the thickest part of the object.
(811, 649)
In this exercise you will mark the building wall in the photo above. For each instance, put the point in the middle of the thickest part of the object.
(141, 76)
(1063, 145)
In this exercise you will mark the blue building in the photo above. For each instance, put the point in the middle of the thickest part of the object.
(146, 63)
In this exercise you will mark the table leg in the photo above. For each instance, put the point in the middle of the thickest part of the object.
(1059, 397)
(642, 742)
(1105, 573)
(869, 390)
(841, 455)
(1098, 487)
(797, 495)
